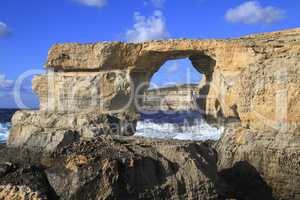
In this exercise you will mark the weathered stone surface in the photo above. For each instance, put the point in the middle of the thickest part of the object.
(9, 192)
(49, 131)
(254, 78)
(274, 156)
(82, 91)
(120, 168)
(23, 183)
(136, 169)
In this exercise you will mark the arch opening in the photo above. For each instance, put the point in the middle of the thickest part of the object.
(174, 100)
(172, 87)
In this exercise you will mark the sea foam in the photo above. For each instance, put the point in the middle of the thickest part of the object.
(180, 126)
(4, 128)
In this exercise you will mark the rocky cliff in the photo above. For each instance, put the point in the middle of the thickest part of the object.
(97, 89)
(254, 78)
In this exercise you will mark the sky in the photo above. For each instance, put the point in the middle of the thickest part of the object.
(28, 28)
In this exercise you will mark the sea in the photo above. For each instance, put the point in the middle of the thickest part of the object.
(184, 125)
(5, 123)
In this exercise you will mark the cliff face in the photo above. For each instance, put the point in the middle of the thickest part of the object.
(90, 89)
(254, 78)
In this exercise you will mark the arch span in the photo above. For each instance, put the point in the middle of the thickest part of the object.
(241, 71)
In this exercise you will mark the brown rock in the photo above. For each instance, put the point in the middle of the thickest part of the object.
(268, 161)
(254, 78)
(47, 131)
(119, 168)
(9, 192)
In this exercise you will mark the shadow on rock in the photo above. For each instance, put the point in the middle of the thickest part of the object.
(246, 182)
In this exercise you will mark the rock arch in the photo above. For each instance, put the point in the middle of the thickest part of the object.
(241, 81)
(133, 65)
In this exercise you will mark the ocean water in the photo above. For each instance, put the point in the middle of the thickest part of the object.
(5, 118)
(181, 126)
(4, 128)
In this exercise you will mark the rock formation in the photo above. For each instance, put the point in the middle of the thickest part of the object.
(254, 79)
(116, 168)
(245, 73)
(275, 156)
(95, 89)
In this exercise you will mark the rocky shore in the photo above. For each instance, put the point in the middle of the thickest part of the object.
(79, 145)
(114, 168)
(241, 165)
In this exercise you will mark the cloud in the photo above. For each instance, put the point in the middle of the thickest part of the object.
(158, 3)
(251, 12)
(155, 3)
(148, 28)
(93, 3)
(8, 97)
(173, 68)
(5, 83)
(3, 29)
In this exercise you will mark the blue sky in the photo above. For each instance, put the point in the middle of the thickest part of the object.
(28, 28)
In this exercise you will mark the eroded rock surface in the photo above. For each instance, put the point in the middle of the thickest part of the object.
(120, 168)
(9, 192)
(47, 131)
(253, 78)
(261, 161)
(23, 182)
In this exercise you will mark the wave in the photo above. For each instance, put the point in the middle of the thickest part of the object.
(180, 126)
(4, 129)
(183, 126)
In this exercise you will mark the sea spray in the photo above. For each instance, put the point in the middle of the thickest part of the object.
(181, 126)
(4, 128)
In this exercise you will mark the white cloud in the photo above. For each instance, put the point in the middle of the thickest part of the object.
(158, 3)
(251, 12)
(147, 28)
(173, 68)
(5, 83)
(155, 3)
(94, 3)
(3, 29)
